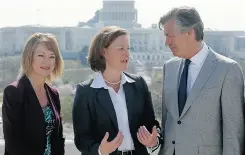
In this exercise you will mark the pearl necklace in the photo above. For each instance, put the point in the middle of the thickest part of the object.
(112, 82)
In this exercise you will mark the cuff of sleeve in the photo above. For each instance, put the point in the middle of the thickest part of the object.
(99, 152)
(152, 149)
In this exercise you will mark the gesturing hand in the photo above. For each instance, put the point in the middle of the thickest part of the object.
(109, 147)
(146, 138)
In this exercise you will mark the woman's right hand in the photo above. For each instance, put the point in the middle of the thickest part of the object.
(109, 147)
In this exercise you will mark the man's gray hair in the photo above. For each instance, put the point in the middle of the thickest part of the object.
(185, 18)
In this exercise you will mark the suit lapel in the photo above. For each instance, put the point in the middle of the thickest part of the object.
(203, 76)
(105, 100)
(173, 74)
(130, 100)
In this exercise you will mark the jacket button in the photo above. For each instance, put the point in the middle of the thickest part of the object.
(173, 142)
(179, 122)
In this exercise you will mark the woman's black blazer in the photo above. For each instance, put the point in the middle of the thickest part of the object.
(23, 120)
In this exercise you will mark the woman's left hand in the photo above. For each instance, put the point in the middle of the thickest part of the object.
(146, 138)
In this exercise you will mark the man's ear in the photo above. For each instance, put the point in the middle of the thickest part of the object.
(191, 32)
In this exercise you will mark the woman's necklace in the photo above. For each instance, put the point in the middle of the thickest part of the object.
(112, 82)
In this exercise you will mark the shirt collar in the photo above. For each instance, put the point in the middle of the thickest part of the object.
(99, 82)
(201, 55)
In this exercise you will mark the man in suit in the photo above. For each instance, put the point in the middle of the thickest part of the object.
(203, 92)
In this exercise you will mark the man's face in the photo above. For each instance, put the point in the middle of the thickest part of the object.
(176, 40)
